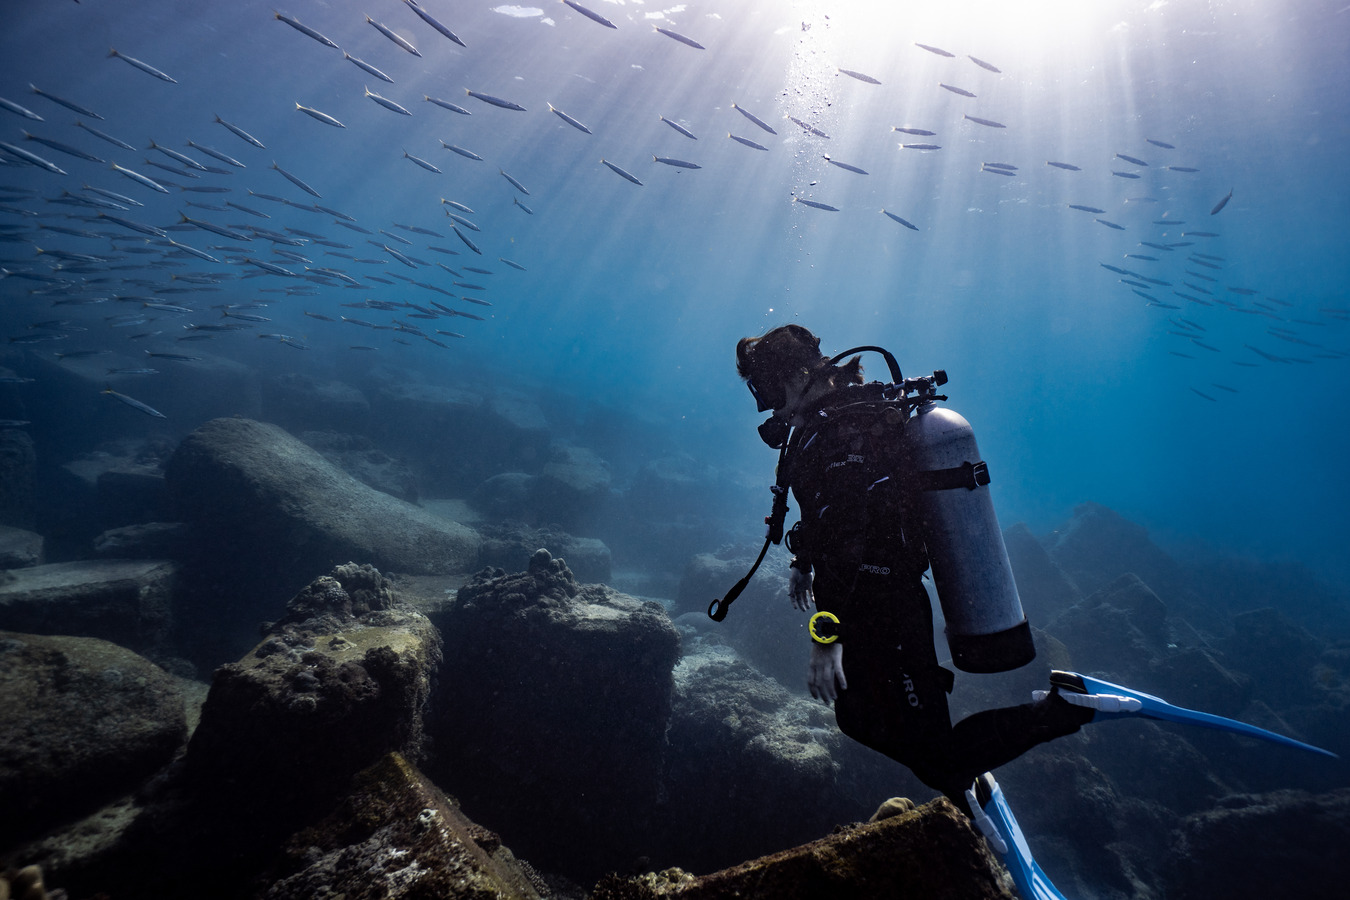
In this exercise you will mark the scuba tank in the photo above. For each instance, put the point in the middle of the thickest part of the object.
(986, 628)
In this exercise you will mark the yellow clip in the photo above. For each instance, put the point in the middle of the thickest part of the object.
(815, 635)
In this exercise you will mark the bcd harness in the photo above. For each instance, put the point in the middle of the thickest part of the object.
(904, 396)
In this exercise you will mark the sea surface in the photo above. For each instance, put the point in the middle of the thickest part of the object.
(1207, 404)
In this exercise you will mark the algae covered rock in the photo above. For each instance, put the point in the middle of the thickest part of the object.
(396, 835)
(930, 852)
(552, 712)
(85, 721)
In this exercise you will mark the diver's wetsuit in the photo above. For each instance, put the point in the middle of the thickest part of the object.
(847, 466)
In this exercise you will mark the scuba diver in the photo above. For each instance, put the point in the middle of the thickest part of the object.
(888, 484)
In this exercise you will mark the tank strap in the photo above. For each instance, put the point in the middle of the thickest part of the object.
(968, 475)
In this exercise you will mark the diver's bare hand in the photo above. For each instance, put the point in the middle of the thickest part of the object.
(825, 671)
(799, 589)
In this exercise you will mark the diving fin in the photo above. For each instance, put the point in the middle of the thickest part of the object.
(1112, 701)
(991, 811)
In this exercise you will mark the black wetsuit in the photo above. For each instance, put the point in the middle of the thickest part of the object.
(858, 533)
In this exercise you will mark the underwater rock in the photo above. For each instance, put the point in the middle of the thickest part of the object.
(1278, 654)
(572, 489)
(342, 680)
(672, 486)
(930, 852)
(85, 720)
(454, 438)
(504, 496)
(150, 540)
(1280, 844)
(510, 547)
(128, 602)
(299, 402)
(19, 549)
(1119, 630)
(119, 483)
(252, 482)
(551, 711)
(360, 458)
(395, 834)
(753, 768)
(761, 624)
(18, 478)
(1098, 545)
(1043, 587)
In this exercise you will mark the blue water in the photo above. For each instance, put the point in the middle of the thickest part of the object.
(634, 296)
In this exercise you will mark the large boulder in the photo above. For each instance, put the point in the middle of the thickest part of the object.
(300, 402)
(1119, 629)
(930, 852)
(19, 548)
(552, 712)
(1098, 545)
(1281, 844)
(360, 458)
(284, 513)
(338, 683)
(1043, 587)
(126, 601)
(572, 489)
(754, 768)
(395, 834)
(84, 721)
(18, 478)
(510, 547)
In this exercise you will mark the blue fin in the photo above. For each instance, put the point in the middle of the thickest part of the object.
(1031, 882)
(1157, 708)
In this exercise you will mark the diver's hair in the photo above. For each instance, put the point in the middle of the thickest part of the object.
(781, 352)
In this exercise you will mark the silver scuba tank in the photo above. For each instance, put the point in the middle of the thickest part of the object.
(986, 628)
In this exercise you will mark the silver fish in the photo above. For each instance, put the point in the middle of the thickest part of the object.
(270, 267)
(680, 163)
(323, 117)
(462, 221)
(468, 243)
(919, 132)
(134, 403)
(62, 148)
(33, 158)
(514, 265)
(525, 209)
(141, 179)
(400, 257)
(956, 90)
(938, 50)
(445, 104)
(383, 101)
(845, 166)
(174, 154)
(984, 65)
(21, 110)
(753, 145)
(1087, 209)
(568, 119)
(687, 41)
(1063, 165)
(680, 128)
(1187, 169)
(920, 146)
(241, 133)
(1162, 144)
(593, 16)
(1124, 174)
(393, 37)
(986, 122)
(216, 154)
(459, 206)
(618, 171)
(144, 67)
(297, 182)
(421, 162)
(515, 184)
(306, 30)
(494, 101)
(1112, 225)
(74, 107)
(1131, 159)
(892, 216)
(811, 129)
(815, 205)
(1219, 206)
(868, 79)
(430, 20)
(751, 116)
(135, 226)
(215, 229)
(366, 67)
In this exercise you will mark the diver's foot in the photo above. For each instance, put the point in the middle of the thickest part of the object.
(978, 796)
(1069, 686)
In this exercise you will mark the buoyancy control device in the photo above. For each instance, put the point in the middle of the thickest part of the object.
(987, 630)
